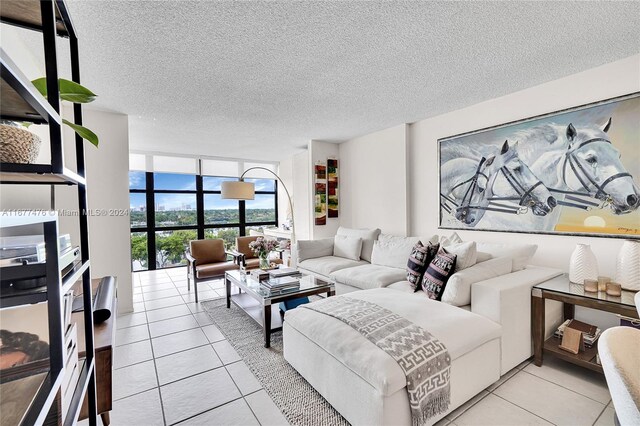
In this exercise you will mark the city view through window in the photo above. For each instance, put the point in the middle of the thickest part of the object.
(167, 210)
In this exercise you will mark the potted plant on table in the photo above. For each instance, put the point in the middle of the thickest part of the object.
(261, 247)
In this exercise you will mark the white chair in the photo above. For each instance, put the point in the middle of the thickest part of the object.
(619, 350)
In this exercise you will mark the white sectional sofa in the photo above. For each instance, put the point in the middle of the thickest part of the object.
(486, 324)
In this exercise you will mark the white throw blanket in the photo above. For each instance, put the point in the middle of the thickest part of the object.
(424, 360)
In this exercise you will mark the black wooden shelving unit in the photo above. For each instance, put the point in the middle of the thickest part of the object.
(21, 101)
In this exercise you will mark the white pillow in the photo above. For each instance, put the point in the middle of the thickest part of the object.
(450, 240)
(392, 251)
(482, 257)
(466, 252)
(347, 247)
(457, 292)
(368, 237)
(310, 249)
(520, 253)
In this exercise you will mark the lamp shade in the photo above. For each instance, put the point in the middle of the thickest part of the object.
(238, 190)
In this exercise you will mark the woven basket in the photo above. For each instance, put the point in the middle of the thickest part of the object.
(18, 145)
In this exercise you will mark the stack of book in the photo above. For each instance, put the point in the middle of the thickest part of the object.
(277, 285)
(590, 333)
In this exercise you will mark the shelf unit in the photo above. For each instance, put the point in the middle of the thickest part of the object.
(21, 101)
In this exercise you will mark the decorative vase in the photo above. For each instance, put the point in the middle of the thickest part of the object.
(583, 265)
(17, 144)
(628, 265)
(264, 262)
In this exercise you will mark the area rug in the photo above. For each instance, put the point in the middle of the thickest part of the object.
(299, 402)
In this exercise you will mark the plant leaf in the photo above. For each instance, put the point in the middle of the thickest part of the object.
(83, 132)
(26, 124)
(69, 90)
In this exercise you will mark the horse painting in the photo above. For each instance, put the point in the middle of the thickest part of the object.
(570, 172)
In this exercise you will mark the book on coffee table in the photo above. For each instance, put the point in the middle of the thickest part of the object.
(283, 272)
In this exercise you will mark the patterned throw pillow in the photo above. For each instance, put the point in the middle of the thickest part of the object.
(437, 274)
(419, 259)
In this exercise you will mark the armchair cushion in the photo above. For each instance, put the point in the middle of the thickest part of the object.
(208, 251)
(242, 245)
(215, 269)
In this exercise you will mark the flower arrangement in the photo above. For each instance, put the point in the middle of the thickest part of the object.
(261, 247)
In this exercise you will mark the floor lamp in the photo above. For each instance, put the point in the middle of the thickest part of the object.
(241, 190)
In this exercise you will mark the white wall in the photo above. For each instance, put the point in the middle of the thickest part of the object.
(319, 152)
(373, 181)
(296, 174)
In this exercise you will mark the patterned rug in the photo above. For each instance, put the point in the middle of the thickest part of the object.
(298, 401)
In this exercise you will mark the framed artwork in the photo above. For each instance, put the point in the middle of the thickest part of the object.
(332, 187)
(570, 172)
(320, 188)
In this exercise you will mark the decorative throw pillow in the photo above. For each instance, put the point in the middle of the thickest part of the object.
(451, 239)
(419, 259)
(466, 252)
(347, 247)
(437, 274)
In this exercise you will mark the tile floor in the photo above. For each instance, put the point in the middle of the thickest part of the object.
(172, 365)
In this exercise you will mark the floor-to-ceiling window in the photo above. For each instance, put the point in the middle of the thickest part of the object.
(176, 203)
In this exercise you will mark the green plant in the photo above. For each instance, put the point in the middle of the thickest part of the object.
(72, 92)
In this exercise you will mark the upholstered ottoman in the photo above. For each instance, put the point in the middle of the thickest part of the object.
(363, 382)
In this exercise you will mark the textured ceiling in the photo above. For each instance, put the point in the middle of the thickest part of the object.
(260, 79)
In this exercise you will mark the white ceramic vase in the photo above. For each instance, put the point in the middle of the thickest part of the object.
(628, 265)
(583, 264)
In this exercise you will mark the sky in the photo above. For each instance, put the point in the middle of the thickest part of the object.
(174, 181)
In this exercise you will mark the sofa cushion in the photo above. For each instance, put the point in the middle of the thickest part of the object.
(419, 259)
(459, 330)
(325, 265)
(393, 251)
(482, 256)
(466, 254)
(520, 253)
(215, 269)
(368, 276)
(347, 247)
(438, 273)
(368, 236)
(309, 249)
(458, 289)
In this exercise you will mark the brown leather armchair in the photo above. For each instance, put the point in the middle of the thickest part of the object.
(209, 260)
(249, 259)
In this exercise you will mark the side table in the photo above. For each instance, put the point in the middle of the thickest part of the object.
(572, 295)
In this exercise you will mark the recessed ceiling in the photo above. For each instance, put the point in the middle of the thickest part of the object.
(260, 79)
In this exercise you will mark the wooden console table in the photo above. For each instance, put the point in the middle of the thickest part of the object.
(104, 341)
(562, 290)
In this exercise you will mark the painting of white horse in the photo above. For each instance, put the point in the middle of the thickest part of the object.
(570, 172)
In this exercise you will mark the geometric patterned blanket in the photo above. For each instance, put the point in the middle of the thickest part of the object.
(424, 360)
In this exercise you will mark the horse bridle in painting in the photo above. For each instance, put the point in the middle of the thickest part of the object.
(578, 168)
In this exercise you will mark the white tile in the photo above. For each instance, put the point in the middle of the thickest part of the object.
(128, 335)
(132, 353)
(243, 377)
(524, 363)
(151, 305)
(606, 418)
(139, 307)
(509, 374)
(186, 363)
(176, 342)
(203, 318)
(265, 410)
(130, 320)
(172, 325)
(575, 378)
(150, 282)
(212, 333)
(137, 298)
(464, 407)
(197, 394)
(493, 410)
(166, 313)
(140, 409)
(134, 379)
(547, 400)
(195, 307)
(235, 413)
(203, 294)
(226, 352)
(161, 294)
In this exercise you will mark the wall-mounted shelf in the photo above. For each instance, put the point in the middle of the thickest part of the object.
(26, 14)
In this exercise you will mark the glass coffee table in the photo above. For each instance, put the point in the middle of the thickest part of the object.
(262, 305)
